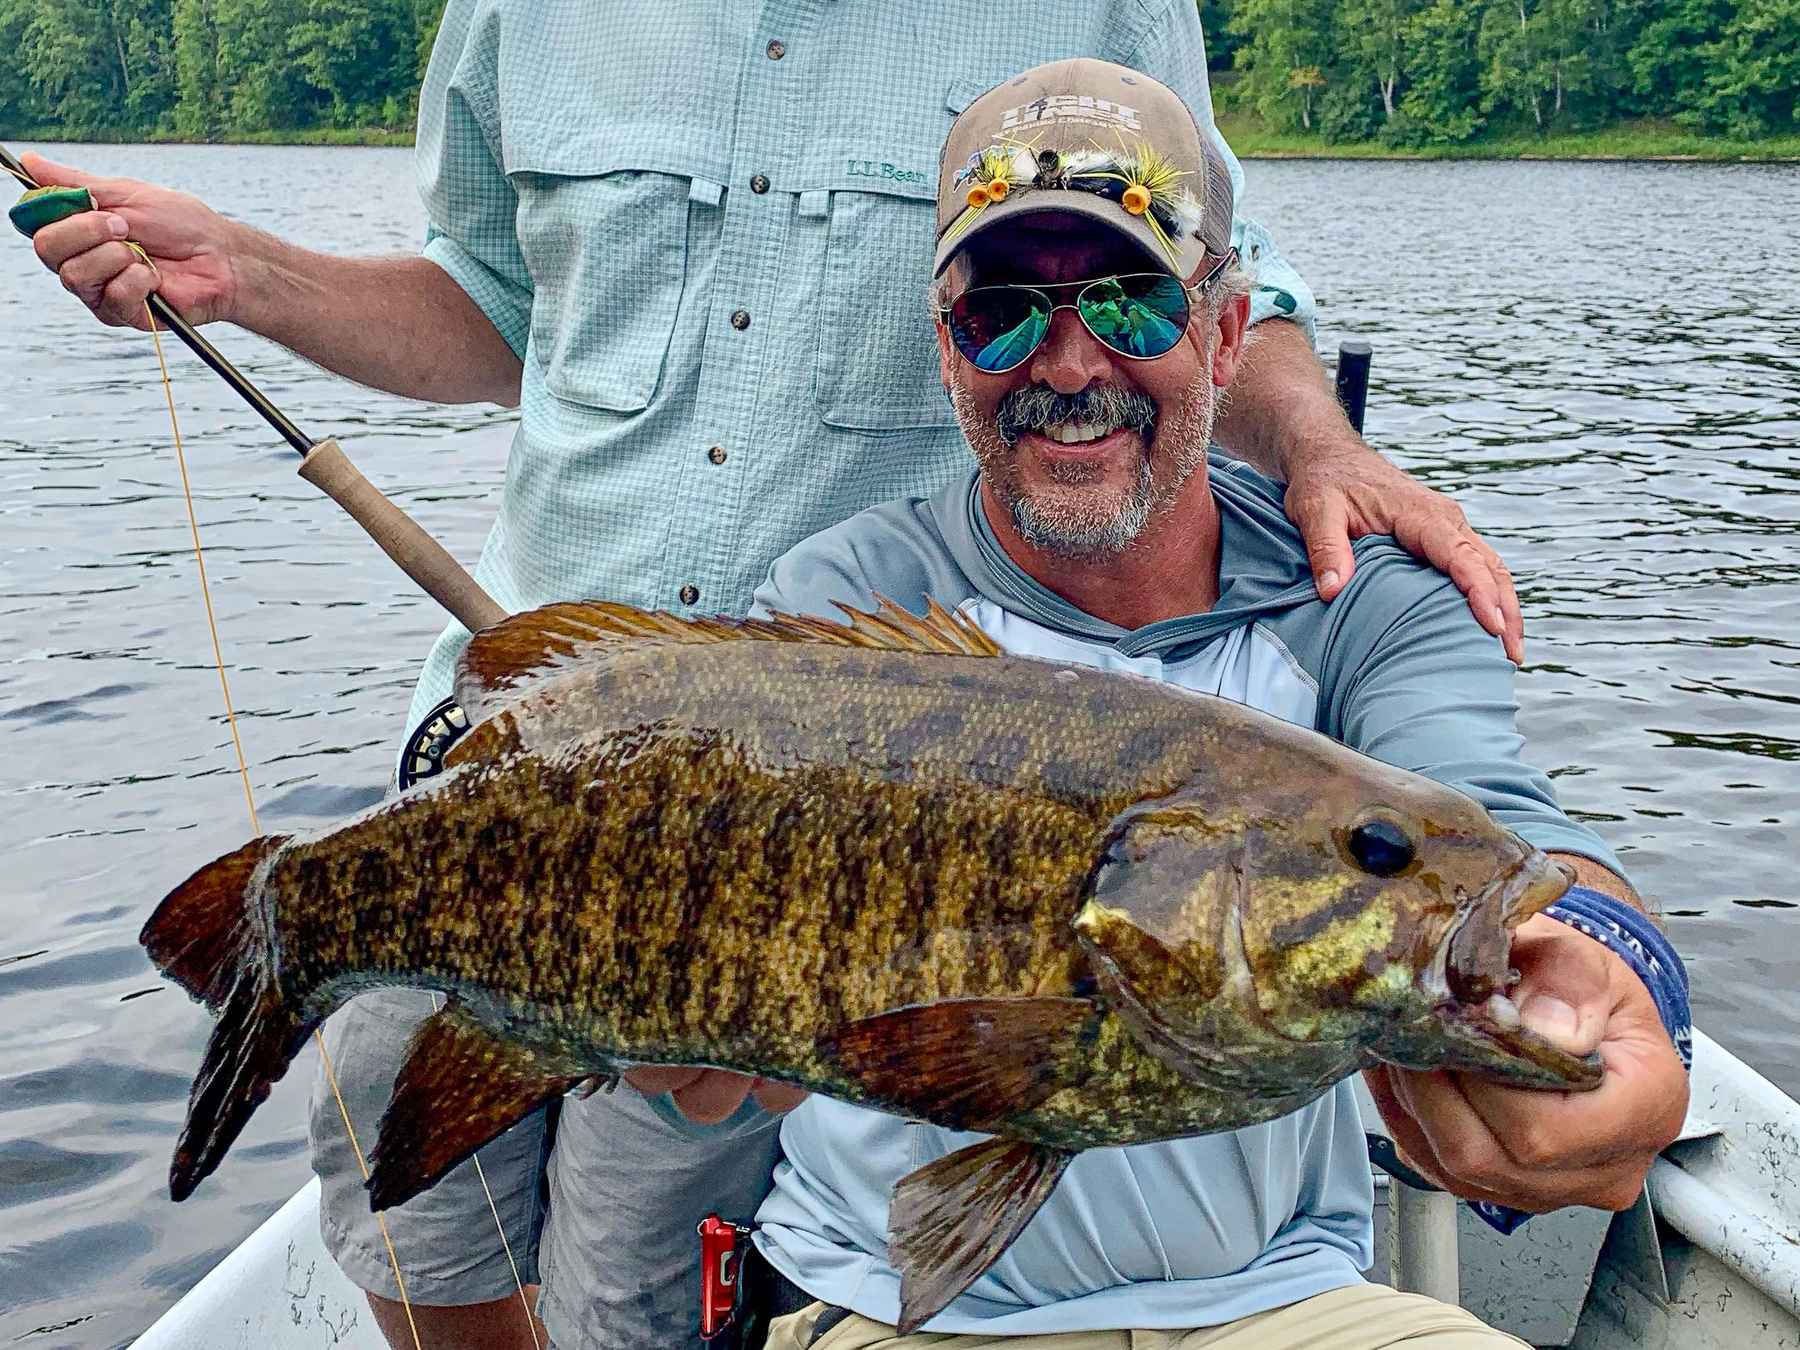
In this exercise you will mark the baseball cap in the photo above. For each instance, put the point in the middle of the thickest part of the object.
(1095, 139)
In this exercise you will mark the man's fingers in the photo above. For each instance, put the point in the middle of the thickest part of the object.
(1512, 618)
(1449, 544)
(777, 1097)
(1640, 1103)
(1635, 1112)
(713, 1096)
(1409, 1140)
(122, 303)
(1325, 526)
(1569, 985)
(58, 243)
(88, 274)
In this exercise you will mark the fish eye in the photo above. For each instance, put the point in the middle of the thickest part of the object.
(1381, 847)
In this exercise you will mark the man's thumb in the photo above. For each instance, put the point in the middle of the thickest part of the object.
(1565, 1009)
(1326, 531)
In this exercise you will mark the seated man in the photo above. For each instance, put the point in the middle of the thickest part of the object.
(1091, 318)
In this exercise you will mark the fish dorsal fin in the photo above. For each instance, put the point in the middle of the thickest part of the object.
(547, 641)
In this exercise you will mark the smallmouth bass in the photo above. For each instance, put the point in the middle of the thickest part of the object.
(880, 860)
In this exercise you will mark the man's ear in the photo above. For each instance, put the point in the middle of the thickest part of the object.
(946, 354)
(1228, 351)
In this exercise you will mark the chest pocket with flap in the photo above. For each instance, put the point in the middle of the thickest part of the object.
(606, 242)
(876, 365)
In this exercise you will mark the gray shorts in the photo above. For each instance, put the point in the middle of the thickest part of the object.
(446, 1239)
(616, 1250)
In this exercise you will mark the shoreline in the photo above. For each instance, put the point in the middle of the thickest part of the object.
(1624, 142)
(1619, 145)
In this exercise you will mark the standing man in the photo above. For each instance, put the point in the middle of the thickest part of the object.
(688, 240)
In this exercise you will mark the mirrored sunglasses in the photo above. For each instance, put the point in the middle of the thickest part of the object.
(1140, 315)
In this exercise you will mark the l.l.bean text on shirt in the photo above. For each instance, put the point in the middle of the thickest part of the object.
(878, 168)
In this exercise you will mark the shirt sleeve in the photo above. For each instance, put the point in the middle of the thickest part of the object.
(1411, 679)
(891, 552)
(1174, 51)
(470, 206)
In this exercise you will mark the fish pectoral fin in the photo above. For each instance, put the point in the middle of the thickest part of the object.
(968, 1063)
(950, 1220)
(547, 641)
(461, 1085)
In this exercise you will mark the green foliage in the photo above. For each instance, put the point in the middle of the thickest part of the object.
(1442, 99)
(94, 63)
(1221, 38)
(1403, 73)
(1754, 85)
(205, 69)
(1284, 47)
(1424, 73)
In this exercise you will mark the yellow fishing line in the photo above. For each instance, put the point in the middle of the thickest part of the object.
(530, 1318)
(16, 174)
(380, 1218)
(250, 798)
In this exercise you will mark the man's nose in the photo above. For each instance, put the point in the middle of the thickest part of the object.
(1071, 358)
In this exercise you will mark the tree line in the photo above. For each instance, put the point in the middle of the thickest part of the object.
(1414, 72)
(212, 69)
(1403, 72)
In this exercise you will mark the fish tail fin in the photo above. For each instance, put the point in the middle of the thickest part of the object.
(257, 1036)
(206, 936)
(201, 935)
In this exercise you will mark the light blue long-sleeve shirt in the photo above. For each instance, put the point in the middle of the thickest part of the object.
(713, 372)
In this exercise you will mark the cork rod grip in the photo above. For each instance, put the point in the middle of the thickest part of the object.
(421, 557)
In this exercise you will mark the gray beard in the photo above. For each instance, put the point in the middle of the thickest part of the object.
(1066, 522)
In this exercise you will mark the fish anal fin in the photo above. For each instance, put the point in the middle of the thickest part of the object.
(544, 642)
(968, 1063)
(950, 1220)
(460, 1086)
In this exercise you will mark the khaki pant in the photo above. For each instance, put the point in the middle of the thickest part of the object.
(1361, 1317)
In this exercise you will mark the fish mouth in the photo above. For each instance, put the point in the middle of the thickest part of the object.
(1472, 979)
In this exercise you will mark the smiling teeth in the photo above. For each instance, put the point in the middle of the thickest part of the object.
(1076, 433)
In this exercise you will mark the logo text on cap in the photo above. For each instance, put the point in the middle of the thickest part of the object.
(1070, 107)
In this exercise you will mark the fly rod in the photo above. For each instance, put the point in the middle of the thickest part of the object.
(322, 463)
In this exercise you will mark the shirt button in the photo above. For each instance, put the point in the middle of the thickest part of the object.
(777, 49)
(689, 594)
(740, 319)
(716, 454)
(759, 183)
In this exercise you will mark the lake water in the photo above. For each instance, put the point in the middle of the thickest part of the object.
(1600, 361)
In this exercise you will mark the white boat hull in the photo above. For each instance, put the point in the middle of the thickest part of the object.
(1709, 1260)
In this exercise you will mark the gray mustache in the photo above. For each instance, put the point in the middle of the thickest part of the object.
(1038, 406)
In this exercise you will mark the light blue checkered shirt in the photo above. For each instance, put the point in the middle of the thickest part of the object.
(713, 373)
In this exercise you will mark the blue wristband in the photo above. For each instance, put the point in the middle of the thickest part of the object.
(1628, 934)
